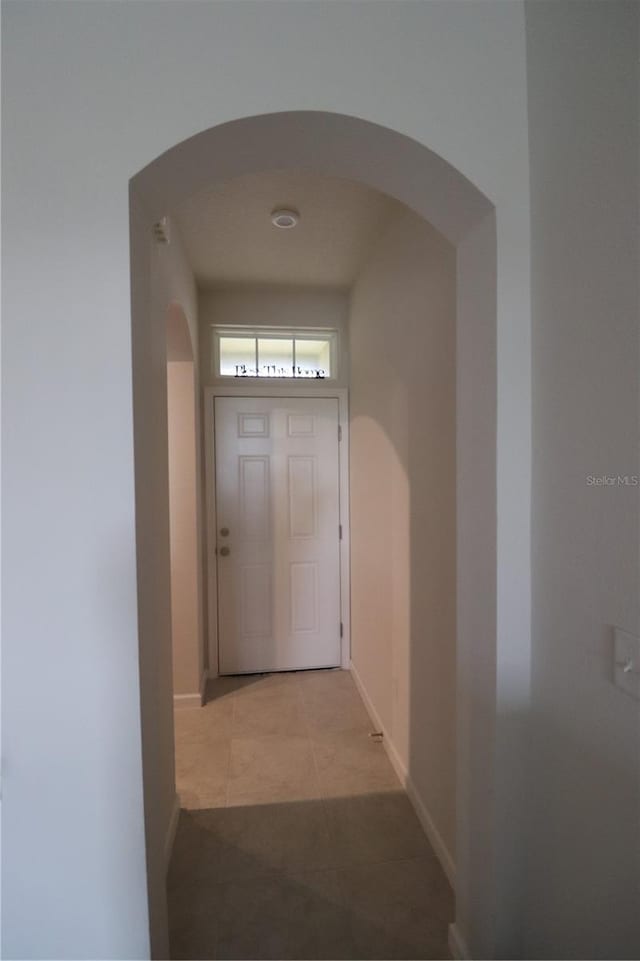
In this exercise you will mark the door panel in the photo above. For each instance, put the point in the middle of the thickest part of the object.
(254, 498)
(302, 496)
(303, 592)
(277, 495)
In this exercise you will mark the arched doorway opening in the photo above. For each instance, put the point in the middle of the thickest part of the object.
(352, 149)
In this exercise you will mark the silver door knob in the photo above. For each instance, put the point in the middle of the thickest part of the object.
(225, 551)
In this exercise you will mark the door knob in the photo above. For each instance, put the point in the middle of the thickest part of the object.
(225, 551)
(224, 531)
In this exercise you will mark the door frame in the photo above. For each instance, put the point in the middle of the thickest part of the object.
(269, 390)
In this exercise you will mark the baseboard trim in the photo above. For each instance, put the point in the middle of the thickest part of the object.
(171, 832)
(457, 944)
(187, 700)
(437, 842)
(435, 838)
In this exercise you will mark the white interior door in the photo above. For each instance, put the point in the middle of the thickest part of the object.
(278, 550)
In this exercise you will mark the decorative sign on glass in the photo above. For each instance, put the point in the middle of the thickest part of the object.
(275, 356)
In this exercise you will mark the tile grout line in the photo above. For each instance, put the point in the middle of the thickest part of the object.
(335, 868)
(323, 799)
(340, 870)
(228, 778)
(309, 739)
(325, 813)
(313, 757)
(216, 938)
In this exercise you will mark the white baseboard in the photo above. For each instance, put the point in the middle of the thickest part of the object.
(435, 838)
(171, 832)
(187, 700)
(192, 700)
(457, 944)
(437, 843)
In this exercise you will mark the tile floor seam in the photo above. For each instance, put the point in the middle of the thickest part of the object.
(377, 862)
(228, 777)
(310, 738)
(323, 799)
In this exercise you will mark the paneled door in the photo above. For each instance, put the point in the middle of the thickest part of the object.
(277, 539)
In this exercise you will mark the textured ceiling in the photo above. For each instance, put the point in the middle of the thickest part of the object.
(230, 239)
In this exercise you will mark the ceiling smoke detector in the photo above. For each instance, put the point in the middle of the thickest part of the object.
(285, 219)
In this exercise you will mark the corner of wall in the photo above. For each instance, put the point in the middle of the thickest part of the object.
(172, 828)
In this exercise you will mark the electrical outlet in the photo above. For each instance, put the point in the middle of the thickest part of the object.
(626, 658)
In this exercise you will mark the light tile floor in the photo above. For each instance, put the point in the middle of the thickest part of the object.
(295, 838)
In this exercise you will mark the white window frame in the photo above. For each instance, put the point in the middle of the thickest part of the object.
(276, 333)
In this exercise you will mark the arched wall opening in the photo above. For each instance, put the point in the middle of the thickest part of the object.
(335, 145)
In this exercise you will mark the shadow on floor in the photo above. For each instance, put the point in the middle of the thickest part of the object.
(341, 878)
(228, 685)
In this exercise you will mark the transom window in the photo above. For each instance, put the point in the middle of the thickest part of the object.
(310, 355)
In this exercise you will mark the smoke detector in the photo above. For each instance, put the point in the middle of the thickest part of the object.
(284, 218)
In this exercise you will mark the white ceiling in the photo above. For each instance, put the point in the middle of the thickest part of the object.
(229, 237)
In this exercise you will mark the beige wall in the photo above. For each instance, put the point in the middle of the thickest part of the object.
(403, 578)
(177, 285)
(187, 648)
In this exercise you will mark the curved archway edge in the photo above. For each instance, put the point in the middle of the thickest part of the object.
(487, 879)
(330, 144)
(179, 345)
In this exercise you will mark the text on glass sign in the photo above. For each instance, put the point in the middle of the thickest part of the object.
(272, 370)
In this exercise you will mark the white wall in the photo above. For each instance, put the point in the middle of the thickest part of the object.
(477, 663)
(162, 287)
(92, 93)
(585, 777)
(402, 327)
(272, 307)
(164, 298)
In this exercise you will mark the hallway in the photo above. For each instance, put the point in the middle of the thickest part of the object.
(295, 838)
